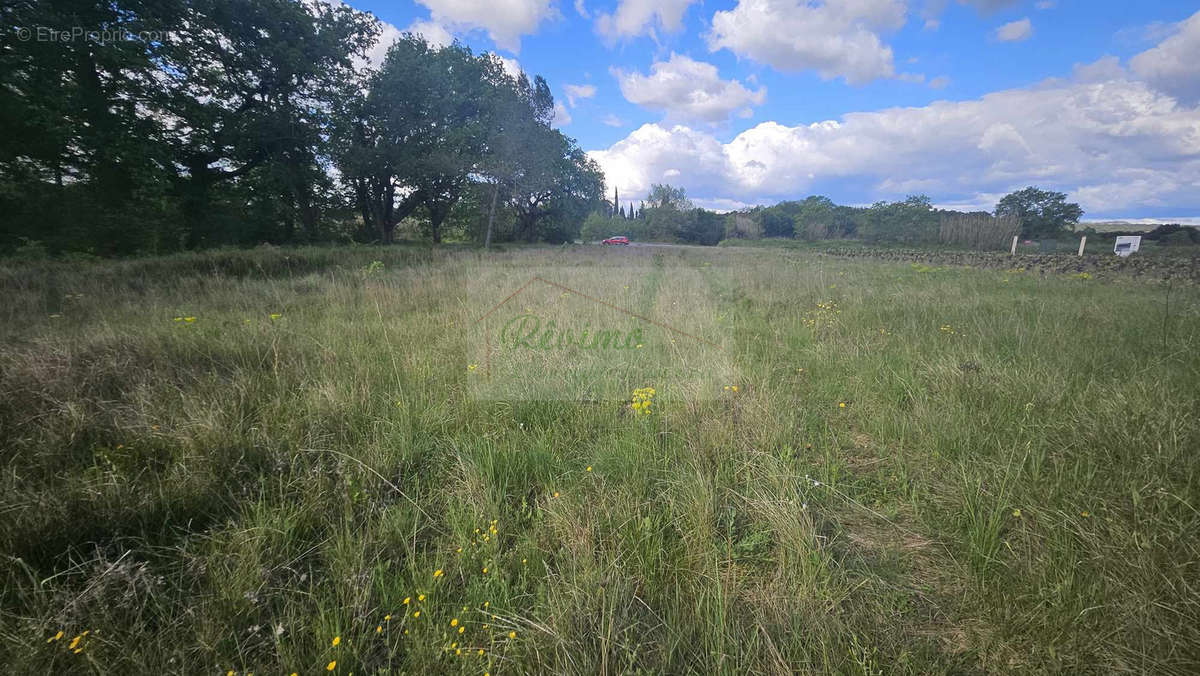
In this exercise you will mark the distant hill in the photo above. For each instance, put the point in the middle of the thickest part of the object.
(1118, 226)
(1137, 225)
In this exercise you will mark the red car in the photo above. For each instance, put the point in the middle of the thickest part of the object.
(620, 239)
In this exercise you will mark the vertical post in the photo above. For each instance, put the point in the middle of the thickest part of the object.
(1082, 243)
(1014, 246)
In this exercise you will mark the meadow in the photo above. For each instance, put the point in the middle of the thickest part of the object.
(270, 461)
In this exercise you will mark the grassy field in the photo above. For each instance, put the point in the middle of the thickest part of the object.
(270, 461)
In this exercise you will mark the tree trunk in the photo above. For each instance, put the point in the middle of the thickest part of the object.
(362, 201)
(302, 194)
(487, 240)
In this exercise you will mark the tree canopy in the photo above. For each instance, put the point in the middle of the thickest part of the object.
(195, 123)
(243, 121)
(1042, 213)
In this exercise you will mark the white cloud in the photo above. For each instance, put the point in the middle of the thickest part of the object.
(687, 89)
(1182, 220)
(939, 82)
(931, 9)
(511, 66)
(561, 117)
(434, 33)
(1101, 70)
(836, 39)
(1045, 4)
(989, 6)
(722, 206)
(581, 9)
(1015, 31)
(613, 121)
(639, 17)
(916, 78)
(577, 92)
(505, 21)
(1113, 145)
(1174, 65)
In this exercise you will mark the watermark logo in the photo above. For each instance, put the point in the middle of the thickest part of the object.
(82, 34)
(593, 334)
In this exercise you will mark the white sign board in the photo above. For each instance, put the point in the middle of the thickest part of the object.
(1127, 244)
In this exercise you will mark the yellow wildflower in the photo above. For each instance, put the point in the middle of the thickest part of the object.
(841, 404)
(416, 614)
(189, 320)
(336, 640)
(512, 634)
(437, 573)
(454, 622)
(1017, 513)
(407, 599)
(379, 629)
(420, 597)
(275, 315)
(461, 629)
(74, 642)
(331, 666)
(55, 637)
(589, 468)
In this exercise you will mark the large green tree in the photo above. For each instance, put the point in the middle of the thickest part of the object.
(520, 119)
(78, 143)
(146, 130)
(252, 82)
(420, 132)
(1043, 213)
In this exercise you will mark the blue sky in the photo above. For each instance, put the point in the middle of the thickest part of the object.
(761, 100)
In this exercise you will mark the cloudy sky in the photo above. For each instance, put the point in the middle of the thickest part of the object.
(756, 101)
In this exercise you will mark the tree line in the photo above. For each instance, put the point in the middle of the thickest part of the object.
(179, 124)
(175, 124)
(1031, 213)
(668, 215)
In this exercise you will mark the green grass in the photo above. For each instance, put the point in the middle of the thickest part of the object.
(1011, 485)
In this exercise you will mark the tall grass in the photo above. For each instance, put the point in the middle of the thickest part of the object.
(979, 231)
(953, 471)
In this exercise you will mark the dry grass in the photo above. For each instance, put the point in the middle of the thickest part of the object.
(1010, 486)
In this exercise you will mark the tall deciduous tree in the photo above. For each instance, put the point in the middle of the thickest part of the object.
(1043, 213)
(520, 111)
(420, 132)
(250, 82)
